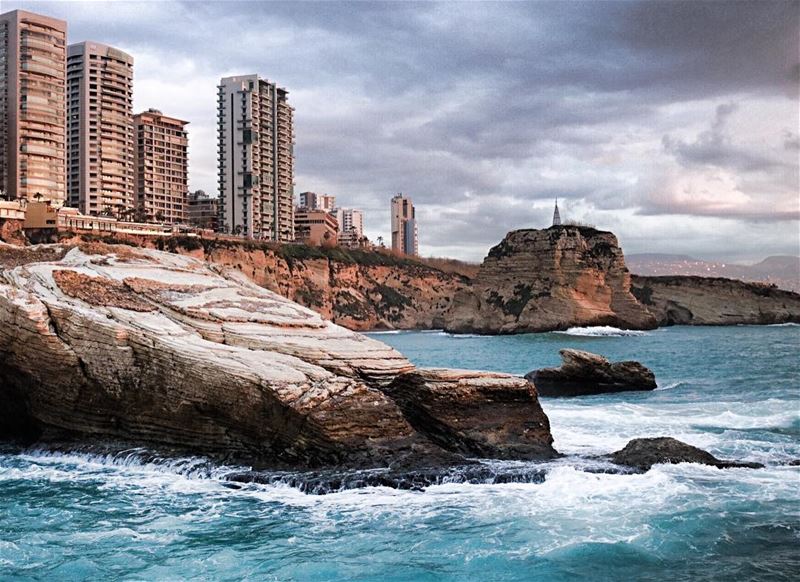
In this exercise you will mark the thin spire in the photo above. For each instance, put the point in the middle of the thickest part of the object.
(556, 215)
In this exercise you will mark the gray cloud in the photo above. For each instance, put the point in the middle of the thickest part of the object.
(484, 112)
(714, 147)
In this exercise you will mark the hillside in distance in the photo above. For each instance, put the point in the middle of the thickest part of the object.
(783, 271)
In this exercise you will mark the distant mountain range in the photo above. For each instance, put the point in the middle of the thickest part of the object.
(783, 271)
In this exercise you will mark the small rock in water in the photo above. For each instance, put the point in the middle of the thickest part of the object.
(644, 453)
(583, 373)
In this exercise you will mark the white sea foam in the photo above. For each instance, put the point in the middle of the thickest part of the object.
(597, 427)
(601, 331)
(670, 386)
(385, 332)
(790, 324)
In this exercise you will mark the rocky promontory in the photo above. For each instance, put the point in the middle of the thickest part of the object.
(690, 300)
(550, 279)
(115, 343)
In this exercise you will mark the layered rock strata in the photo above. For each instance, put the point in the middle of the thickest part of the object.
(542, 280)
(477, 414)
(140, 346)
(583, 373)
(361, 290)
(689, 300)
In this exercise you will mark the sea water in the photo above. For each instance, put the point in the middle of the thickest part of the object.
(734, 391)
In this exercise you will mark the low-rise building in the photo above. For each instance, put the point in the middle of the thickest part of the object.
(203, 211)
(47, 216)
(315, 227)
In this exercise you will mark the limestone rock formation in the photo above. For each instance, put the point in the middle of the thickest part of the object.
(477, 414)
(361, 290)
(542, 280)
(138, 346)
(643, 453)
(689, 300)
(583, 373)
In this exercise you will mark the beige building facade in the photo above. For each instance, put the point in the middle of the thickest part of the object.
(404, 226)
(100, 138)
(162, 167)
(316, 227)
(32, 107)
(255, 137)
(314, 201)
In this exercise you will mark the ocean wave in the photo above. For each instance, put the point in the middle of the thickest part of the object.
(672, 385)
(385, 332)
(601, 331)
(789, 324)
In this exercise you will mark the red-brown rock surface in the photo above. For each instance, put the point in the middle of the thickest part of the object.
(540, 280)
(361, 290)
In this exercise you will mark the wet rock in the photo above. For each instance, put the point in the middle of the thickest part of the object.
(583, 373)
(477, 414)
(643, 453)
(325, 482)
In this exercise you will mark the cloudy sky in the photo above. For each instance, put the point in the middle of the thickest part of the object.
(673, 124)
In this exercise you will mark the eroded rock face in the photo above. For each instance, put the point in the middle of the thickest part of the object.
(478, 414)
(374, 291)
(688, 300)
(643, 453)
(147, 347)
(542, 280)
(583, 373)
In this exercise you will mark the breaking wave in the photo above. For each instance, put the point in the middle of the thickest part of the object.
(601, 331)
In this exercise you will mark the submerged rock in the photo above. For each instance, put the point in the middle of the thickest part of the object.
(584, 373)
(643, 453)
(145, 347)
(550, 279)
(325, 482)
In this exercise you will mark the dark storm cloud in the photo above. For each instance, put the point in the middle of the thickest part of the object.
(484, 112)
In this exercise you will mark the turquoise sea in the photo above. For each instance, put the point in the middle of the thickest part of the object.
(734, 391)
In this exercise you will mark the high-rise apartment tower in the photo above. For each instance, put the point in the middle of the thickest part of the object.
(162, 167)
(256, 159)
(100, 150)
(404, 226)
(32, 85)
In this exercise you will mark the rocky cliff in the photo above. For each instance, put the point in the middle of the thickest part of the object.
(689, 300)
(361, 290)
(102, 342)
(541, 280)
